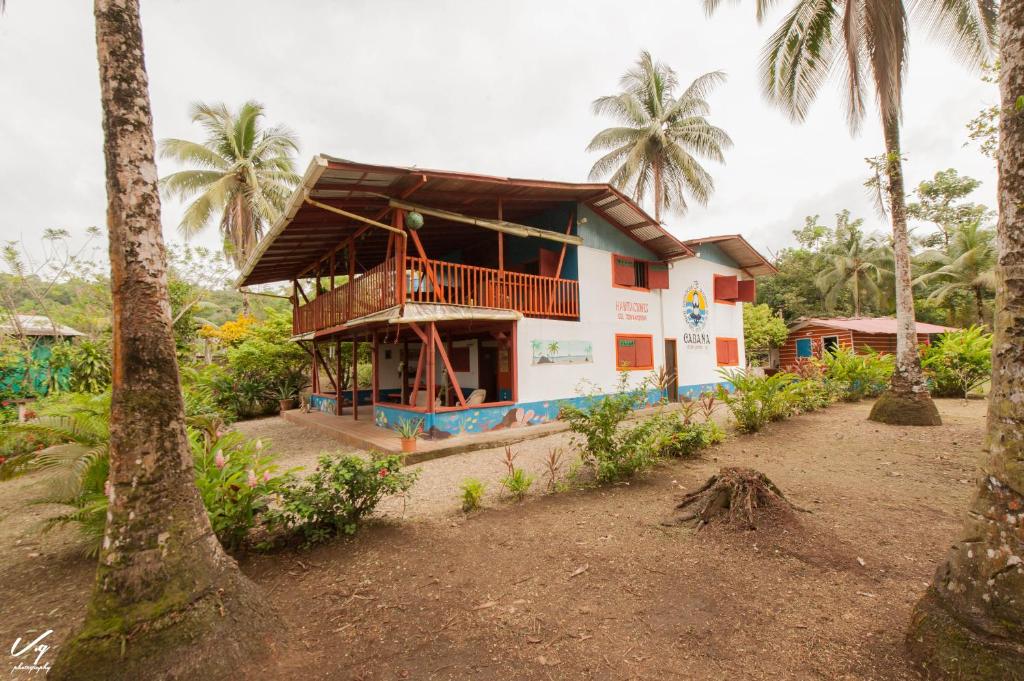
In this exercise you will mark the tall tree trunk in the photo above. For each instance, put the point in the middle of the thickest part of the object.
(906, 402)
(167, 601)
(970, 623)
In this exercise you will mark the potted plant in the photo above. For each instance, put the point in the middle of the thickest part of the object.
(408, 430)
(286, 390)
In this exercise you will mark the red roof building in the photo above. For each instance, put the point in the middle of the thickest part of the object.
(810, 337)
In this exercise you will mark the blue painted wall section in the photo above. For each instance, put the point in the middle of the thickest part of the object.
(487, 419)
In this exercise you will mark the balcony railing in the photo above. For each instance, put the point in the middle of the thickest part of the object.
(434, 281)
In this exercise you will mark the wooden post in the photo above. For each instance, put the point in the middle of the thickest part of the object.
(401, 246)
(355, 379)
(419, 372)
(405, 371)
(373, 359)
(337, 381)
(501, 240)
(315, 377)
(451, 373)
(513, 364)
(431, 372)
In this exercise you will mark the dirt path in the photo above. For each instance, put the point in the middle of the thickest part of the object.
(588, 584)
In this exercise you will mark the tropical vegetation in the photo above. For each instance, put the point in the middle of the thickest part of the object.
(654, 150)
(241, 174)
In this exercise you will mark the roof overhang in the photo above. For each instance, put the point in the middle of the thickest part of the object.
(739, 251)
(867, 325)
(305, 233)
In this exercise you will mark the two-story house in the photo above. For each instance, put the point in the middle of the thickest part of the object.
(490, 302)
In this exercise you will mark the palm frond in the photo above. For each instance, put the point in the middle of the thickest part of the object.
(967, 27)
(885, 38)
(798, 56)
(184, 151)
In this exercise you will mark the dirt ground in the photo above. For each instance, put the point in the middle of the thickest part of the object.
(589, 584)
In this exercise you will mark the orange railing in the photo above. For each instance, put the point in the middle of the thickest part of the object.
(455, 284)
(370, 292)
(434, 281)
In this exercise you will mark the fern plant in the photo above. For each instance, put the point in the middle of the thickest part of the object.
(75, 473)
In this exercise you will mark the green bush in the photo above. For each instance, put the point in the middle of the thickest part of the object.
(959, 362)
(341, 492)
(858, 375)
(672, 433)
(612, 451)
(472, 494)
(756, 400)
(90, 366)
(236, 481)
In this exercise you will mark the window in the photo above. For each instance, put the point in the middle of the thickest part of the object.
(634, 352)
(728, 352)
(730, 290)
(726, 289)
(630, 272)
(830, 344)
(640, 273)
(804, 347)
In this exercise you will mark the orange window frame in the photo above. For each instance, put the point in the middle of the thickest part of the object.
(714, 289)
(735, 348)
(620, 336)
(641, 289)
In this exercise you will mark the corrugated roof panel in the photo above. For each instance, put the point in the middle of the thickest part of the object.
(625, 214)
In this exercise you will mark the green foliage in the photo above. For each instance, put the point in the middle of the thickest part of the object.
(236, 480)
(762, 330)
(472, 494)
(611, 450)
(756, 400)
(342, 491)
(408, 429)
(858, 375)
(518, 483)
(959, 362)
(672, 433)
(90, 366)
(261, 366)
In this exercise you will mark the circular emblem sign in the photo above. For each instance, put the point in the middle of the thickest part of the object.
(695, 307)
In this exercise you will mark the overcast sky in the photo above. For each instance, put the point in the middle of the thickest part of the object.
(497, 87)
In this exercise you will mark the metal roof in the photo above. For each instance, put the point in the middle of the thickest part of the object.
(740, 251)
(879, 325)
(305, 233)
(36, 325)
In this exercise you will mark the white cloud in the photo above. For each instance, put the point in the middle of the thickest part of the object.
(498, 87)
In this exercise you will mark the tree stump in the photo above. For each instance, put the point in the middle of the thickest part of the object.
(735, 497)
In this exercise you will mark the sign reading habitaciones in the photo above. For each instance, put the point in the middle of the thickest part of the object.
(630, 311)
(695, 314)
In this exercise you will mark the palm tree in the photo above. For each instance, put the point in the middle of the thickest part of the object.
(241, 171)
(855, 262)
(968, 266)
(654, 148)
(164, 585)
(868, 40)
(970, 622)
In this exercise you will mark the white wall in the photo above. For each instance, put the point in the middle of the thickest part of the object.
(606, 310)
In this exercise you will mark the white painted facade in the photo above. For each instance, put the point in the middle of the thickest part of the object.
(607, 310)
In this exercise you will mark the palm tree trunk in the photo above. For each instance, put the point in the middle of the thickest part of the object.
(657, 193)
(167, 601)
(856, 295)
(907, 401)
(979, 301)
(970, 623)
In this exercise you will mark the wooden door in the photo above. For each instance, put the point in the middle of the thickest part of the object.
(672, 369)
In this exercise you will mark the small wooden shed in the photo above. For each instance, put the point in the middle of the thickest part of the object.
(811, 337)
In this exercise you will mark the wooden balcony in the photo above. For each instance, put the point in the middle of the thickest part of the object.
(435, 281)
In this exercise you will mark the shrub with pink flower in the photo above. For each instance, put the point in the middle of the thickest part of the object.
(237, 480)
